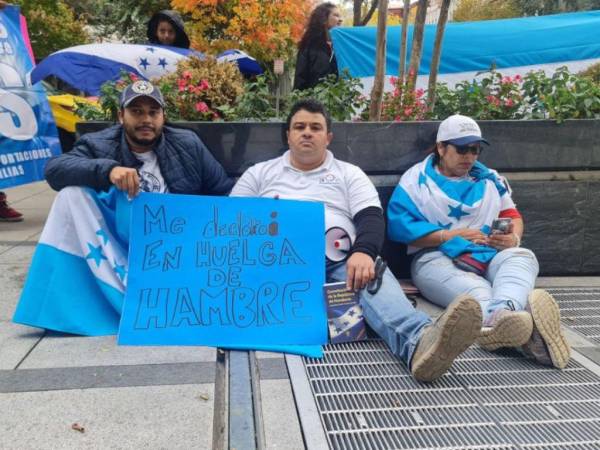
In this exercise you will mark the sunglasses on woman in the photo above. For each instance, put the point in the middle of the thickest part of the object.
(474, 149)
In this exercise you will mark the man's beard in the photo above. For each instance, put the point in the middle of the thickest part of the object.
(142, 142)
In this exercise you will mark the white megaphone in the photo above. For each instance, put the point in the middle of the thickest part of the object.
(339, 237)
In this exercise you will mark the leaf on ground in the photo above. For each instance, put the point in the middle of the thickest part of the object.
(78, 427)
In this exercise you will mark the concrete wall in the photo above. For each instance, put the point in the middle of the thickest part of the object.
(554, 170)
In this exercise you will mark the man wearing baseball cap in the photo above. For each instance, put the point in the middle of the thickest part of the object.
(140, 153)
(464, 230)
(78, 274)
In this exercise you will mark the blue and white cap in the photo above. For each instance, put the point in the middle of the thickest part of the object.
(459, 130)
(141, 89)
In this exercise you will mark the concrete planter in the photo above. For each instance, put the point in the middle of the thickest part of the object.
(554, 170)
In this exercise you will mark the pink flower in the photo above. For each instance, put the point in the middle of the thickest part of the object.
(393, 80)
(201, 107)
(518, 78)
(187, 74)
(408, 112)
(397, 119)
(508, 102)
(204, 85)
(396, 93)
(133, 76)
(181, 84)
(419, 93)
(506, 80)
(490, 98)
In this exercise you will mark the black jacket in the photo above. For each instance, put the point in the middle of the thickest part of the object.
(314, 63)
(173, 17)
(185, 163)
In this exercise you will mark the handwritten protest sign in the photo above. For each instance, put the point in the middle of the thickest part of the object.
(225, 272)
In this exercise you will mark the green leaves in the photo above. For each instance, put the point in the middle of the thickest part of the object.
(534, 96)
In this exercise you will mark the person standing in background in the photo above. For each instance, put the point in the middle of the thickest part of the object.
(166, 28)
(316, 59)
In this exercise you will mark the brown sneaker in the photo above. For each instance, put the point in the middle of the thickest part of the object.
(547, 331)
(505, 328)
(450, 335)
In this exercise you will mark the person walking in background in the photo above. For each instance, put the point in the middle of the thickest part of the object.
(316, 58)
(166, 28)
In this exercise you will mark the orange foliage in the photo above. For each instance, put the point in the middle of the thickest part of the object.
(266, 29)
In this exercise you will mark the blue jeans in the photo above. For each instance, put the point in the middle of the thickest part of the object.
(388, 312)
(510, 277)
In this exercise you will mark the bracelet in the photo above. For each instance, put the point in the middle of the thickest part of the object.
(442, 237)
(517, 240)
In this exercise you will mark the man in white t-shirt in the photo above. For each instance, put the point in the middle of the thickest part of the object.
(308, 171)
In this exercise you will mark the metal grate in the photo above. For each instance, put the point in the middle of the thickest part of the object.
(367, 399)
(580, 310)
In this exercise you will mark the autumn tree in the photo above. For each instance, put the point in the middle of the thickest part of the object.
(474, 10)
(52, 26)
(266, 30)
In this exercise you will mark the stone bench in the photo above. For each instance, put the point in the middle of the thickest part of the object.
(553, 169)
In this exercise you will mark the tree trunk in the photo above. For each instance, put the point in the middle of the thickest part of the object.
(377, 92)
(437, 52)
(357, 9)
(405, 14)
(370, 12)
(417, 45)
(358, 20)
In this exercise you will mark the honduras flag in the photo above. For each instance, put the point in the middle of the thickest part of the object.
(87, 67)
(426, 201)
(79, 271)
(78, 274)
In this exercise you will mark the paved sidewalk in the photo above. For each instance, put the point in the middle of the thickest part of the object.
(126, 397)
(123, 397)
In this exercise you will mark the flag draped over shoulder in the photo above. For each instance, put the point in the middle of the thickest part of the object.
(426, 201)
(87, 67)
(78, 274)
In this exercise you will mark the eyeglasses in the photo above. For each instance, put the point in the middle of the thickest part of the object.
(474, 149)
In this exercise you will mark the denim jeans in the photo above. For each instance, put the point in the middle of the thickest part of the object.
(510, 277)
(388, 312)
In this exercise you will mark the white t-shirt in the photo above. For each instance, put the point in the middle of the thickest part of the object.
(342, 187)
(151, 180)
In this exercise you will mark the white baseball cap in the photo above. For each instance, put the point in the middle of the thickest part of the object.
(459, 130)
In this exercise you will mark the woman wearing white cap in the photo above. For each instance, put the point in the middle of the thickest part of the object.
(459, 220)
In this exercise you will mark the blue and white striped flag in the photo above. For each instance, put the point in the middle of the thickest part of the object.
(87, 67)
(426, 201)
(78, 274)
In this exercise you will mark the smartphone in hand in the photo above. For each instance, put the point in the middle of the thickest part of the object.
(501, 225)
